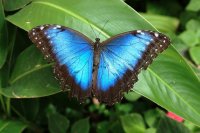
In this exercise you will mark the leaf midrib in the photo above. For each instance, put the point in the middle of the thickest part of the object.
(76, 15)
(29, 72)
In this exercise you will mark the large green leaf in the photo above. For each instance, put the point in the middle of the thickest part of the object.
(80, 17)
(31, 77)
(169, 81)
(3, 36)
(10, 126)
(11, 5)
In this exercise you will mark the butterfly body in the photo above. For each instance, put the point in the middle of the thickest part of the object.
(101, 69)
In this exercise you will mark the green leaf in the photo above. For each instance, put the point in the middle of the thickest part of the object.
(193, 5)
(196, 70)
(193, 25)
(3, 36)
(31, 78)
(193, 128)
(165, 81)
(103, 127)
(29, 60)
(178, 43)
(11, 5)
(198, 35)
(124, 108)
(175, 87)
(133, 123)
(195, 54)
(152, 117)
(0, 78)
(11, 126)
(116, 127)
(57, 123)
(80, 17)
(189, 38)
(51, 109)
(81, 126)
(168, 125)
(162, 23)
(151, 130)
(132, 96)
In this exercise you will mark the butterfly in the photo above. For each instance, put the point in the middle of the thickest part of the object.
(104, 70)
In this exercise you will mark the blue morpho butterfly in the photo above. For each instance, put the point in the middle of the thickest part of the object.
(101, 69)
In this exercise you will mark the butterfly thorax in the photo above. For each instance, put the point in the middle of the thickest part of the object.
(95, 60)
(96, 51)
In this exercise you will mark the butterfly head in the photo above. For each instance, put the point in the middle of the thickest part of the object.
(97, 40)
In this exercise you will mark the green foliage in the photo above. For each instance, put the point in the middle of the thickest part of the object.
(81, 126)
(167, 125)
(193, 5)
(57, 123)
(11, 126)
(133, 123)
(153, 116)
(28, 80)
(162, 23)
(170, 81)
(3, 36)
(11, 5)
(194, 53)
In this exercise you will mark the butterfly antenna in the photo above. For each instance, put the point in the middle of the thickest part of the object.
(103, 27)
(93, 31)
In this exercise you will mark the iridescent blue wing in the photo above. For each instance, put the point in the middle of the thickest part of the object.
(73, 54)
(121, 59)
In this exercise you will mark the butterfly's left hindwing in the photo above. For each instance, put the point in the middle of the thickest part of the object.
(121, 59)
(73, 54)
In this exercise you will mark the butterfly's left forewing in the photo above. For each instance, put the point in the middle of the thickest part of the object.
(73, 54)
(121, 59)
